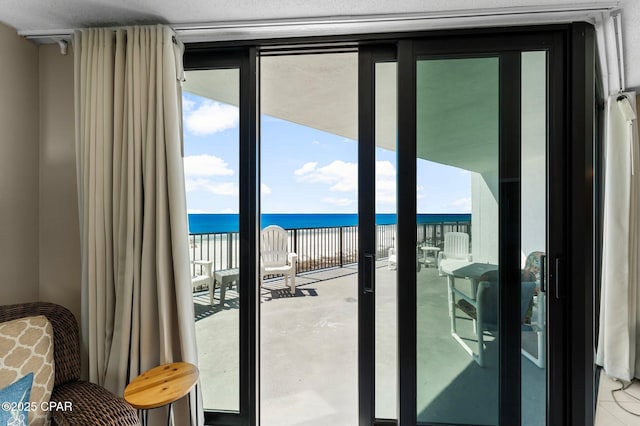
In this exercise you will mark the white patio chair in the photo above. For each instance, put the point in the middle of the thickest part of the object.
(392, 259)
(455, 253)
(275, 258)
(206, 277)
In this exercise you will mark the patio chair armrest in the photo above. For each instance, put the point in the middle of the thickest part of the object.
(293, 258)
(206, 264)
(392, 251)
(441, 256)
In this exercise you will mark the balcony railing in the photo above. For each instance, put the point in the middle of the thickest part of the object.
(317, 248)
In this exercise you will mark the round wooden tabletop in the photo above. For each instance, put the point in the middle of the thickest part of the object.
(161, 385)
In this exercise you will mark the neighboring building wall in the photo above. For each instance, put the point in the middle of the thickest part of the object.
(59, 238)
(484, 217)
(19, 257)
(484, 187)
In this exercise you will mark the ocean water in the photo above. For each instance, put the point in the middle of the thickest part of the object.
(214, 223)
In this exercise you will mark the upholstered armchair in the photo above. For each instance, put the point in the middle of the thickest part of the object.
(91, 404)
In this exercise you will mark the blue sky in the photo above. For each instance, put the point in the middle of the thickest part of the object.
(303, 170)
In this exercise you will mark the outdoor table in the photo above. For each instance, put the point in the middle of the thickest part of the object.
(425, 254)
(225, 277)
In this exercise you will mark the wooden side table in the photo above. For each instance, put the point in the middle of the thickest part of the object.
(160, 386)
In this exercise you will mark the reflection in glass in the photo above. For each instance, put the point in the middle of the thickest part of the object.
(386, 344)
(457, 285)
(533, 187)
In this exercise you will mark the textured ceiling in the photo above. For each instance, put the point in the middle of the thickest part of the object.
(47, 14)
(27, 15)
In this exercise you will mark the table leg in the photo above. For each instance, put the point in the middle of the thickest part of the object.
(190, 416)
(196, 397)
(169, 415)
(474, 288)
(223, 290)
(451, 299)
(480, 335)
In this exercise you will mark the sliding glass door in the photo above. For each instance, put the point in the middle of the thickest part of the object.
(457, 171)
(220, 157)
(463, 126)
(467, 176)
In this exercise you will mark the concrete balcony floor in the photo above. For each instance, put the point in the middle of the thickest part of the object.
(309, 354)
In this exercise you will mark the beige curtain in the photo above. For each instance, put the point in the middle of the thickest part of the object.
(137, 309)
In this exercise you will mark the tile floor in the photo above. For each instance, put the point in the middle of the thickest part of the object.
(608, 413)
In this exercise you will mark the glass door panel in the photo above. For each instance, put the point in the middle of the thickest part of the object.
(309, 187)
(211, 118)
(386, 313)
(534, 241)
(457, 236)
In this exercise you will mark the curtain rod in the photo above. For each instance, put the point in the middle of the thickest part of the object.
(262, 29)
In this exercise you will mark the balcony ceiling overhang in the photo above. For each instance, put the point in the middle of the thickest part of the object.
(457, 102)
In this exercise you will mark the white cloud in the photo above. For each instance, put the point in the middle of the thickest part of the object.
(341, 202)
(316, 142)
(264, 189)
(196, 211)
(229, 211)
(211, 117)
(385, 168)
(187, 104)
(462, 204)
(342, 176)
(385, 183)
(205, 165)
(306, 168)
(217, 188)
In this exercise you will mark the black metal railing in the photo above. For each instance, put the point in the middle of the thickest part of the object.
(318, 248)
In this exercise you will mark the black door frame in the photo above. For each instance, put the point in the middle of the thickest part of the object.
(368, 57)
(245, 60)
(571, 79)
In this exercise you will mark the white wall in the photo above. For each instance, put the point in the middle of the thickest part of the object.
(39, 236)
(19, 258)
(59, 237)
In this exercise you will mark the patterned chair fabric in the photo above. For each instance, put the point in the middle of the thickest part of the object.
(92, 404)
(66, 346)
